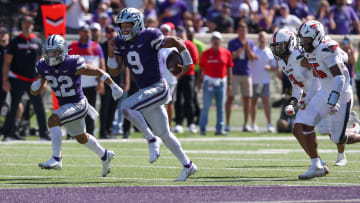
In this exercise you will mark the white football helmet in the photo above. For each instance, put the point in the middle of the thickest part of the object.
(130, 15)
(282, 43)
(312, 29)
(55, 50)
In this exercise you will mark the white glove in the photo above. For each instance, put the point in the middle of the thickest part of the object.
(117, 92)
(302, 104)
(289, 110)
(333, 109)
(35, 86)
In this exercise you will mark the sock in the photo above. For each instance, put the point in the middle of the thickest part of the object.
(94, 146)
(188, 165)
(316, 162)
(56, 139)
(137, 119)
(341, 155)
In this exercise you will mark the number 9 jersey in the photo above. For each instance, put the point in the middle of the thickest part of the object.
(63, 79)
(141, 56)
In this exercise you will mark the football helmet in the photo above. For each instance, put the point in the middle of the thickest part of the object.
(311, 29)
(55, 50)
(282, 43)
(130, 15)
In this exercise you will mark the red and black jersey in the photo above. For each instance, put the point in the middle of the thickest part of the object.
(26, 52)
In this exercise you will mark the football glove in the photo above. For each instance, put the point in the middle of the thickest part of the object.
(289, 110)
(117, 92)
(302, 104)
(35, 86)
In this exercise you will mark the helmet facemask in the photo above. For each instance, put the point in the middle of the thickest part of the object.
(280, 49)
(54, 56)
(130, 33)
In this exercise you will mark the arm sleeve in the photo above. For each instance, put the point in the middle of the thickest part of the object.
(80, 63)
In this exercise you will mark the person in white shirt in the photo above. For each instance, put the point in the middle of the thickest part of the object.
(75, 15)
(261, 69)
(286, 20)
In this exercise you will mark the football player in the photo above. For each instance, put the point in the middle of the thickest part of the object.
(63, 73)
(138, 48)
(333, 94)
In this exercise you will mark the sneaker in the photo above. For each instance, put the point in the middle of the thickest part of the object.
(106, 163)
(341, 160)
(178, 129)
(154, 149)
(227, 128)
(51, 164)
(270, 128)
(45, 138)
(187, 171)
(202, 132)
(255, 128)
(247, 128)
(313, 172)
(192, 128)
(220, 132)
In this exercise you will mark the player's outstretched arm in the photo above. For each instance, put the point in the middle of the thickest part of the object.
(103, 76)
(37, 85)
(185, 54)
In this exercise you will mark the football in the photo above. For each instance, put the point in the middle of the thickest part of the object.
(172, 61)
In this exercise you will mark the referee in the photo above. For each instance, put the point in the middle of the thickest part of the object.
(18, 74)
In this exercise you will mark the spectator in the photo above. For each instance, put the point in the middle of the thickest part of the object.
(184, 104)
(18, 73)
(199, 24)
(192, 5)
(242, 51)
(108, 104)
(215, 71)
(75, 15)
(4, 42)
(261, 80)
(102, 11)
(286, 20)
(200, 47)
(299, 9)
(95, 32)
(139, 4)
(344, 17)
(150, 21)
(214, 11)
(204, 5)
(322, 15)
(174, 11)
(313, 6)
(104, 21)
(246, 17)
(346, 45)
(265, 16)
(168, 29)
(357, 75)
(93, 54)
(223, 22)
(235, 9)
(150, 9)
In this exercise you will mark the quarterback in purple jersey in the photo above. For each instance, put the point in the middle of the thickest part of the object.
(63, 73)
(138, 48)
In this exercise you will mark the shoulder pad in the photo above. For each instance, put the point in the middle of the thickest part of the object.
(296, 55)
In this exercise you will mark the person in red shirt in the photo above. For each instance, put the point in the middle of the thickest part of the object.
(185, 91)
(215, 70)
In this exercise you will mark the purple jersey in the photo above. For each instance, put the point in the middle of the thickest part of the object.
(62, 78)
(141, 56)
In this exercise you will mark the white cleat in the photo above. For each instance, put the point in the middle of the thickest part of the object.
(51, 164)
(186, 172)
(341, 160)
(178, 129)
(106, 164)
(154, 150)
(313, 172)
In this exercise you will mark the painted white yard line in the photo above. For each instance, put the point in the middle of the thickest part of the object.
(283, 168)
(308, 201)
(190, 139)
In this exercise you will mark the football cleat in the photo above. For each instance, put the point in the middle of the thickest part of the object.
(51, 164)
(178, 129)
(186, 172)
(341, 160)
(154, 150)
(313, 172)
(192, 128)
(106, 164)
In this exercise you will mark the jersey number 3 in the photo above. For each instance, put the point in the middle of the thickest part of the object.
(65, 87)
(133, 59)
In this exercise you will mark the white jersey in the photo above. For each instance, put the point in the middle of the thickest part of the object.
(163, 54)
(299, 76)
(326, 55)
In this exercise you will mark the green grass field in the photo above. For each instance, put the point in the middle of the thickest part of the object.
(236, 159)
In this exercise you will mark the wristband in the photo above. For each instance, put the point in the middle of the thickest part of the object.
(112, 63)
(104, 77)
(333, 98)
(185, 55)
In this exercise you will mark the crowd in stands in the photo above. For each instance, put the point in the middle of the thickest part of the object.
(218, 72)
